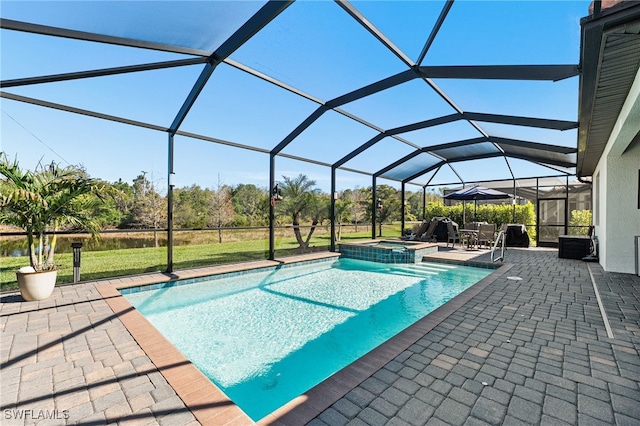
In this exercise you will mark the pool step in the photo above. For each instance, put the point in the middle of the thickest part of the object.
(424, 268)
(432, 266)
(407, 269)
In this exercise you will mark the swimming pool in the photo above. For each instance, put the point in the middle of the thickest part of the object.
(266, 337)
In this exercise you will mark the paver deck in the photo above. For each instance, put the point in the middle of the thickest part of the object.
(528, 351)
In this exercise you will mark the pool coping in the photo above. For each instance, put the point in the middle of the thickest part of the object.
(209, 404)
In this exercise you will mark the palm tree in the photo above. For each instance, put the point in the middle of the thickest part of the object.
(40, 202)
(301, 199)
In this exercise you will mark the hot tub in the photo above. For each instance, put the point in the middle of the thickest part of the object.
(387, 251)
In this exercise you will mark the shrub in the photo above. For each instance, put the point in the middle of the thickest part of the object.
(491, 213)
(580, 222)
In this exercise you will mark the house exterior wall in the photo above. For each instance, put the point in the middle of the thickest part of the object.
(617, 196)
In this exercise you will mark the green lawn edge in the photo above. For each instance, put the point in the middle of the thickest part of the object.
(122, 262)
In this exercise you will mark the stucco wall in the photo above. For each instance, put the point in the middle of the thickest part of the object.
(619, 220)
(623, 217)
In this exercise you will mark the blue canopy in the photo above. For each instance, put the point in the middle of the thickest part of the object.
(477, 193)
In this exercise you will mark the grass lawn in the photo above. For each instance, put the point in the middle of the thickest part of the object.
(114, 263)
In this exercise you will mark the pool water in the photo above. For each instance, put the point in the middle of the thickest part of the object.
(265, 338)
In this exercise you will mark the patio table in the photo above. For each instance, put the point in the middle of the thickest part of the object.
(471, 235)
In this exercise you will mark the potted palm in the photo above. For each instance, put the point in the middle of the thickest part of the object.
(40, 202)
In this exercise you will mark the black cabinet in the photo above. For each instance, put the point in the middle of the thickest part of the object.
(573, 247)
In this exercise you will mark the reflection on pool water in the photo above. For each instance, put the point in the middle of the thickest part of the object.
(266, 337)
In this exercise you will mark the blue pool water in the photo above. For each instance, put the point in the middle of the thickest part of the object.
(266, 337)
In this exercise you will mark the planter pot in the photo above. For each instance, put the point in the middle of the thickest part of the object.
(36, 285)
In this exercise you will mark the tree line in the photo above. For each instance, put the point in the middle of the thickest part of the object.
(298, 202)
(141, 205)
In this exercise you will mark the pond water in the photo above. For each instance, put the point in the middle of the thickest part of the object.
(17, 246)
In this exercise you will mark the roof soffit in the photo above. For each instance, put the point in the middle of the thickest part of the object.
(610, 59)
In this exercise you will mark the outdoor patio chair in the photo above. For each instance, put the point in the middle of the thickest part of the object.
(453, 235)
(486, 234)
(418, 231)
(428, 235)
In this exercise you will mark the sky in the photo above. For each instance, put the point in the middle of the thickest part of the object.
(313, 46)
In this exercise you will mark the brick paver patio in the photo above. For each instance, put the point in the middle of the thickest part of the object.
(527, 351)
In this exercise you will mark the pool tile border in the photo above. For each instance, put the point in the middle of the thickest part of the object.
(221, 274)
(208, 403)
